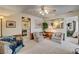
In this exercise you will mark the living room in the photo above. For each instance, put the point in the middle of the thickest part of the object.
(39, 29)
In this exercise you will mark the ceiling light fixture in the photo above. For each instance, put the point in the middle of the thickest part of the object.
(43, 11)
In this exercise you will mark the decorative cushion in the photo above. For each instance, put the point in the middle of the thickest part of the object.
(57, 35)
(14, 41)
(9, 39)
(75, 35)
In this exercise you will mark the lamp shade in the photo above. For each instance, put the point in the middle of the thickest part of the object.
(1, 17)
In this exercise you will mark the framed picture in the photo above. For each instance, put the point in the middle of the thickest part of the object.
(10, 24)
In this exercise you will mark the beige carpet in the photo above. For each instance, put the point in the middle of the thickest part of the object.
(44, 47)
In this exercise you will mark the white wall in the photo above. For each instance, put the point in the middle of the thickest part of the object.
(70, 19)
(12, 31)
(33, 24)
(18, 30)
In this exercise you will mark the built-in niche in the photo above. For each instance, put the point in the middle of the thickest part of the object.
(26, 26)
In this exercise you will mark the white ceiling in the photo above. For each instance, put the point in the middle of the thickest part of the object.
(7, 10)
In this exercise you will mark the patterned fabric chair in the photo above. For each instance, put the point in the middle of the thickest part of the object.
(57, 37)
(38, 36)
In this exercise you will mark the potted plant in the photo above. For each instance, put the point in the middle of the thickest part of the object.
(45, 25)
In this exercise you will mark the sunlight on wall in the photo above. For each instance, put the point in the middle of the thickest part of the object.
(56, 24)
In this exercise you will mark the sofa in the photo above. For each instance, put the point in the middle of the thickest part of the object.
(15, 45)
